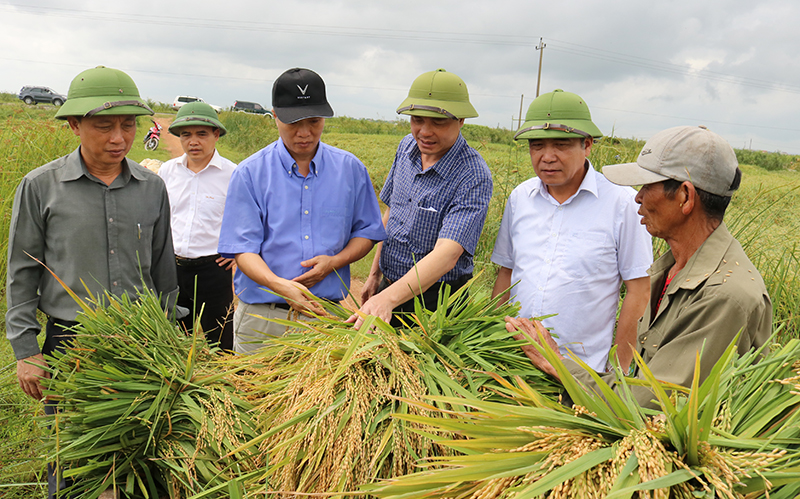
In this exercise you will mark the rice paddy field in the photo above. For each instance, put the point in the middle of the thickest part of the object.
(763, 215)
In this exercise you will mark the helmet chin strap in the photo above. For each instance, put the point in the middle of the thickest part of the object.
(420, 107)
(556, 127)
(109, 105)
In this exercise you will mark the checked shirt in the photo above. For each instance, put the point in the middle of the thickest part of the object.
(449, 200)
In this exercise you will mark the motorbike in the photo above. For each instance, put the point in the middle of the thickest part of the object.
(153, 136)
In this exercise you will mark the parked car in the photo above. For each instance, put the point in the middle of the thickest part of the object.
(185, 99)
(31, 94)
(250, 107)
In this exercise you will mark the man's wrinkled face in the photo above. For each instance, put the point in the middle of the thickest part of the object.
(560, 162)
(105, 139)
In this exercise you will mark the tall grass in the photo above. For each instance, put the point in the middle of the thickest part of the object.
(771, 161)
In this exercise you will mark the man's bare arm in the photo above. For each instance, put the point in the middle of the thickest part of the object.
(636, 297)
(501, 284)
(430, 269)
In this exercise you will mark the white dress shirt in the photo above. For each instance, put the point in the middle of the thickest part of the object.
(571, 258)
(197, 202)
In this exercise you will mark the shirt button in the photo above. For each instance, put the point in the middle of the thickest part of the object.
(306, 212)
(541, 288)
(552, 234)
(306, 237)
(114, 283)
(547, 261)
(305, 187)
(112, 252)
(110, 219)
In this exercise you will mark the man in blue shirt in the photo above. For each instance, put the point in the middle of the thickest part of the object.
(437, 194)
(298, 212)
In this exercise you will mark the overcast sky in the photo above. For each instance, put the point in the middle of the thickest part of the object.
(641, 66)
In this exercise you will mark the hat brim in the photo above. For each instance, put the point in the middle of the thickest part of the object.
(583, 125)
(631, 174)
(297, 113)
(82, 105)
(458, 109)
(193, 121)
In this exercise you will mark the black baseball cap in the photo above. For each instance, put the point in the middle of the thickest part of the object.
(298, 94)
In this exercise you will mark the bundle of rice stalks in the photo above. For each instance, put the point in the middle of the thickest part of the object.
(144, 409)
(326, 395)
(736, 435)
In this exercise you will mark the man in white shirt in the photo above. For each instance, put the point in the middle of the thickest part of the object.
(197, 184)
(569, 238)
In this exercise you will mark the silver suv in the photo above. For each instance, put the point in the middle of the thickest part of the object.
(185, 99)
(30, 94)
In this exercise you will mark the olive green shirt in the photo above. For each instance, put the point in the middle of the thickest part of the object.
(717, 294)
(114, 238)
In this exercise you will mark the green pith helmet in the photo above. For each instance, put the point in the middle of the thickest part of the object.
(438, 94)
(196, 113)
(558, 114)
(103, 91)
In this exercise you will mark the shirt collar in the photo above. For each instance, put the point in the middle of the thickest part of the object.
(288, 162)
(707, 256)
(447, 163)
(75, 168)
(588, 184)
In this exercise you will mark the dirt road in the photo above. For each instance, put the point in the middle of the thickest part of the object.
(168, 141)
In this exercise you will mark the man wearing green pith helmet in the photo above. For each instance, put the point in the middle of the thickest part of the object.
(197, 183)
(569, 238)
(437, 196)
(98, 220)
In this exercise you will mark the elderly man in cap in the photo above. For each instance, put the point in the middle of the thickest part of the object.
(569, 238)
(437, 196)
(97, 219)
(197, 183)
(705, 292)
(298, 213)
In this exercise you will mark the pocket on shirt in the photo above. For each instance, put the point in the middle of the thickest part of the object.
(211, 210)
(334, 227)
(425, 230)
(586, 253)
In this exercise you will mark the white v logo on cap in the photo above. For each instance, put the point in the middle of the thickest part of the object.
(303, 90)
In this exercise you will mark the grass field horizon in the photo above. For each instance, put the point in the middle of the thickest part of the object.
(762, 216)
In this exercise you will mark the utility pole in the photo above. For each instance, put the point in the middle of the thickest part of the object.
(521, 99)
(540, 48)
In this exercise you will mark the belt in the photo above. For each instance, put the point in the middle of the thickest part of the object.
(194, 262)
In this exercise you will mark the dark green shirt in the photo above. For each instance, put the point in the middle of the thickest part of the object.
(115, 238)
(715, 296)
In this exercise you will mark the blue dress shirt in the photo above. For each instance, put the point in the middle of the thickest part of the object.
(273, 211)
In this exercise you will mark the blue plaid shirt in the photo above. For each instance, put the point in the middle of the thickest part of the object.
(447, 201)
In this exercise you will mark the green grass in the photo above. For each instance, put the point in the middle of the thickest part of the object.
(762, 215)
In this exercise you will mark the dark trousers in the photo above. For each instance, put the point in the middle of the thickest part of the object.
(56, 337)
(213, 294)
(429, 299)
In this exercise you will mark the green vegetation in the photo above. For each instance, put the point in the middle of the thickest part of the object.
(762, 215)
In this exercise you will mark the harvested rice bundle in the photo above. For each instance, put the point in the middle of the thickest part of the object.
(144, 409)
(325, 395)
(735, 436)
